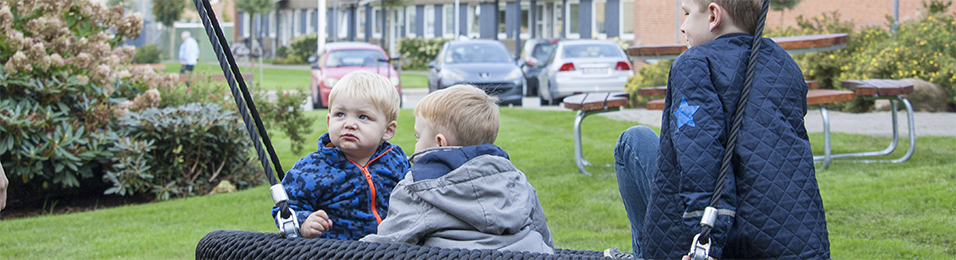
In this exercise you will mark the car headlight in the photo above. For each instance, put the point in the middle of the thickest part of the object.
(515, 74)
(330, 82)
(395, 81)
(449, 76)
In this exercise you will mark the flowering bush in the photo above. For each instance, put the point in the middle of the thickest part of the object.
(55, 86)
(652, 75)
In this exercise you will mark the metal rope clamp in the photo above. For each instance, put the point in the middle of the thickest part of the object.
(700, 251)
(288, 227)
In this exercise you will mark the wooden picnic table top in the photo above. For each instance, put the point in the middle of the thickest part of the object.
(596, 101)
(793, 45)
(662, 90)
(878, 87)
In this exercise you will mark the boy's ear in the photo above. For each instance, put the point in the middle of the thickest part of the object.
(390, 130)
(716, 16)
(442, 140)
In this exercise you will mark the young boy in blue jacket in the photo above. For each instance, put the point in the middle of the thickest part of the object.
(770, 207)
(341, 190)
(462, 191)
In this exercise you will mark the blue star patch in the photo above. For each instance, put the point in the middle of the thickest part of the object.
(685, 114)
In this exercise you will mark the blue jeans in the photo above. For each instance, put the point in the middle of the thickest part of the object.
(635, 160)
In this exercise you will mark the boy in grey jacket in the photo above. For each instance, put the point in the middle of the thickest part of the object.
(462, 191)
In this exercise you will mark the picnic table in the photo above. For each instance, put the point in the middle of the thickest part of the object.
(592, 103)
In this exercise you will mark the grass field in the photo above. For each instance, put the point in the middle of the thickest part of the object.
(874, 211)
(280, 79)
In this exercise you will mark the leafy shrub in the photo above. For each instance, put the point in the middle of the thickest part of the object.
(148, 54)
(302, 47)
(417, 52)
(921, 49)
(182, 151)
(651, 75)
(281, 112)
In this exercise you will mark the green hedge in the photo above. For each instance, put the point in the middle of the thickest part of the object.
(417, 52)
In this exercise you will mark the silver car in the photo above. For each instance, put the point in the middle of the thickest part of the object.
(582, 66)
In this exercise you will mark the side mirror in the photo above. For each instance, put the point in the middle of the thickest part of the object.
(431, 64)
(312, 59)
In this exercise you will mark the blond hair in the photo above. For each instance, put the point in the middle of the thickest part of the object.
(372, 87)
(463, 111)
(744, 12)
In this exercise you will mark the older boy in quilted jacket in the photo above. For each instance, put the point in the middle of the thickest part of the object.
(463, 191)
(341, 190)
(770, 207)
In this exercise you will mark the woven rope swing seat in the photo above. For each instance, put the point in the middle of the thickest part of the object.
(232, 244)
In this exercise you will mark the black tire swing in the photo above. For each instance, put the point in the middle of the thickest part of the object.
(231, 244)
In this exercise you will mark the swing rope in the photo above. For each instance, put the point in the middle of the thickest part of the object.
(698, 250)
(288, 223)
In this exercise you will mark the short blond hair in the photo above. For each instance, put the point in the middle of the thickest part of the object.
(372, 87)
(462, 111)
(744, 12)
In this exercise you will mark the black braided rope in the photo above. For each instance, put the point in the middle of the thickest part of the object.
(231, 244)
(731, 144)
(226, 61)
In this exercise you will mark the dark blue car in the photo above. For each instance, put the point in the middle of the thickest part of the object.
(486, 64)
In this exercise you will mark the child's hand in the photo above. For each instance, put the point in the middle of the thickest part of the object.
(315, 224)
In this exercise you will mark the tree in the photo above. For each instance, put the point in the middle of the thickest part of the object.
(255, 7)
(783, 5)
(168, 12)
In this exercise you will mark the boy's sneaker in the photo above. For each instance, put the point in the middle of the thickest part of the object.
(617, 254)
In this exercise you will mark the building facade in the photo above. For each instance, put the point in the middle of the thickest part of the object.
(640, 22)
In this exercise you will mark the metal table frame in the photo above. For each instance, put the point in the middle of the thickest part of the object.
(827, 156)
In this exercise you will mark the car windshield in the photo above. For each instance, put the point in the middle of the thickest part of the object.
(543, 51)
(592, 51)
(354, 58)
(475, 53)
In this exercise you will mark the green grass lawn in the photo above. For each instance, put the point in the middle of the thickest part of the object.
(272, 78)
(410, 80)
(874, 211)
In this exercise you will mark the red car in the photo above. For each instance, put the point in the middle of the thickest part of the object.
(340, 58)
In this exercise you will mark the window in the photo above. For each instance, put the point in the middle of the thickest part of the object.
(429, 21)
(377, 22)
(449, 18)
(399, 22)
(502, 21)
(412, 19)
(573, 19)
(627, 18)
(361, 22)
(558, 22)
(473, 12)
(600, 17)
(343, 25)
(245, 22)
(525, 18)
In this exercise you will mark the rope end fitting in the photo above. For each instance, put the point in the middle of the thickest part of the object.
(700, 251)
(288, 223)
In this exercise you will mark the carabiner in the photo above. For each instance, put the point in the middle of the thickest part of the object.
(699, 251)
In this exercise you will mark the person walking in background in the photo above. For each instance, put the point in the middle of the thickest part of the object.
(188, 54)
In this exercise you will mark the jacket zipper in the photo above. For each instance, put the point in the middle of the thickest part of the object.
(371, 184)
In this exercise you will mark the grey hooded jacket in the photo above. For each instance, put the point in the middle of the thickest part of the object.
(465, 197)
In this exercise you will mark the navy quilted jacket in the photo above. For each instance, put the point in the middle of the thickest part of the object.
(771, 205)
(356, 203)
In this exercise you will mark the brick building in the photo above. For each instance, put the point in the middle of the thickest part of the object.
(642, 22)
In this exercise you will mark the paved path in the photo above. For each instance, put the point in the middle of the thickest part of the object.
(874, 123)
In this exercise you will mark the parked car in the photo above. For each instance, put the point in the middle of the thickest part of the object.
(339, 58)
(581, 66)
(535, 56)
(486, 64)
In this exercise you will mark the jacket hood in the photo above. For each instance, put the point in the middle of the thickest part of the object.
(435, 162)
(477, 185)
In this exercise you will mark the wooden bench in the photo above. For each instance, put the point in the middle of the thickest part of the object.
(875, 89)
(814, 97)
(587, 104)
